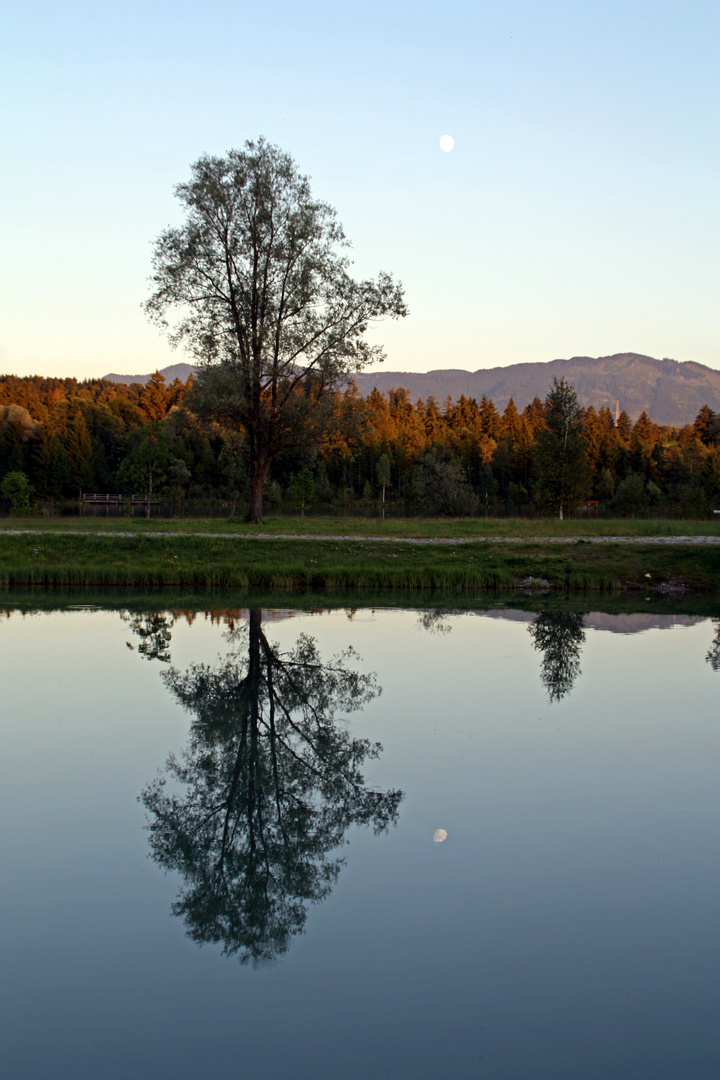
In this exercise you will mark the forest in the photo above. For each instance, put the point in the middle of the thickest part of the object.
(61, 439)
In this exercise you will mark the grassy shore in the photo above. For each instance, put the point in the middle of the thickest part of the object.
(105, 554)
(410, 528)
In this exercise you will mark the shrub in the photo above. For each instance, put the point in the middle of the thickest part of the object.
(18, 492)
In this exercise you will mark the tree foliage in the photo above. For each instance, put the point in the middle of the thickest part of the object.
(259, 277)
(16, 488)
(380, 439)
(563, 477)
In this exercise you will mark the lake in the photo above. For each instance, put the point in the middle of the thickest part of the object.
(359, 843)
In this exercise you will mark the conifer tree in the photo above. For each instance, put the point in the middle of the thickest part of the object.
(561, 465)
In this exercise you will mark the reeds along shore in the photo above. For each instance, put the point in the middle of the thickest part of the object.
(57, 559)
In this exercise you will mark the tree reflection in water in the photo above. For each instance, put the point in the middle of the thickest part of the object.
(559, 635)
(265, 791)
(713, 654)
(155, 632)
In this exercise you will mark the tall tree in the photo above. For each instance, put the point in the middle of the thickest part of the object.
(563, 476)
(265, 298)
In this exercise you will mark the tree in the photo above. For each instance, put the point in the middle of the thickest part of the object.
(441, 484)
(154, 398)
(17, 490)
(382, 469)
(630, 494)
(563, 476)
(232, 461)
(262, 798)
(147, 463)
(265, 298)
(302, 489)
(80, 453)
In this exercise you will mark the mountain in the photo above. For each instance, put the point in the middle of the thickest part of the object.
(175, 371)
(670, 392)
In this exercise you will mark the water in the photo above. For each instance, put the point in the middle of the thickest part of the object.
(540, 899)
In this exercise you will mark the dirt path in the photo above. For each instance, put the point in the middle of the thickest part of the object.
(693, 541)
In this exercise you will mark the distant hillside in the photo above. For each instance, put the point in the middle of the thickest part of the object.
(175, 371)
(670, 392)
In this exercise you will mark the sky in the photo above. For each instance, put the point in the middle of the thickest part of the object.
(576, 215)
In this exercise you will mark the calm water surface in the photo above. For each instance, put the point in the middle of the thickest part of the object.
(476, 846)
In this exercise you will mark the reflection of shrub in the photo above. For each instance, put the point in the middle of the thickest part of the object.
(440, 483)
(17, 490)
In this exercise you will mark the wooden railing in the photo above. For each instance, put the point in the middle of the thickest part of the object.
(98, 499)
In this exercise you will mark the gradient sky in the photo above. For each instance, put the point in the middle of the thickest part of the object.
(577, 214)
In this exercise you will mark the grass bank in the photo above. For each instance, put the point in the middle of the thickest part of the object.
(410, 528)
(151, 559)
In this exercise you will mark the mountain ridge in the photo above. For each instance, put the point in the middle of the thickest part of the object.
(670, 391)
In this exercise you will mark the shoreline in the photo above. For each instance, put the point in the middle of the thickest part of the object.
(147, 558)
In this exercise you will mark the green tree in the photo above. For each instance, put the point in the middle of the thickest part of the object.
(630, 494)
(233, 463)
(265, 299)
(560, 459)
(302, 489)
(440, 483)
(382, 470)
(16, 489)
(146, 466)
(80, 453)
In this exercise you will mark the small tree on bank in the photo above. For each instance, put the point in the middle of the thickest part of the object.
(17, 490)
(265, 299)
(560, 458)
(383, 474)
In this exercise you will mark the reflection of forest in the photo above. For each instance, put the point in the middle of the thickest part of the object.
(254, 810)
(559, 635)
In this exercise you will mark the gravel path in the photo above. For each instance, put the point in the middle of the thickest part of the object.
(693, 541)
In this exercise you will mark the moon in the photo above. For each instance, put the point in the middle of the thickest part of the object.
(446, 143)
(439, 835)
